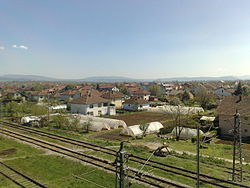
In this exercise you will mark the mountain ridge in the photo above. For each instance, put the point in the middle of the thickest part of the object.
(21, 77)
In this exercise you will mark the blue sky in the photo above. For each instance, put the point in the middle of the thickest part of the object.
(133, 38)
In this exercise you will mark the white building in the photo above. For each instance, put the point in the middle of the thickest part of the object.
(135, 104)
(92, 105)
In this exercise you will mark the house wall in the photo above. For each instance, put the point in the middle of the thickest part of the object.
(145, 97)
(226, 124)
(39, 98)
(117, 103)
(135, 107)
(95, 110)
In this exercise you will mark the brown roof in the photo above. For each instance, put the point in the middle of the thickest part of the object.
(141, 92)
(136, 100)
(69, 92)
(112, 95)
(229, 105)
(89, 99)
(106, 86)
(92, 92)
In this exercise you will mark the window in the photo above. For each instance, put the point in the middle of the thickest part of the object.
(99, 104)
(141, 106)
(245, 130)
(105, 104)
(99, 112)
(91, 106)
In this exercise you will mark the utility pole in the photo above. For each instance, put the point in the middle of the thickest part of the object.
(237, 150)
(48, 107)
(198, 156)
(121, 168)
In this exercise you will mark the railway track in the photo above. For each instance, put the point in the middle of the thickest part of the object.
(19, 178)
(217, 182)
(95, 161)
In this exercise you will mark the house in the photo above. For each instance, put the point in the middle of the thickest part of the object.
(39, 96)
(90, 104)
(115, 98)
(68, 95)
(227, 110)
(142, 94)
(108, 87)
(135, 104)
(221, 92)
(18, 95)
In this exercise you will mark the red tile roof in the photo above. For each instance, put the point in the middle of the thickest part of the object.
(229, 105)
(89, 99)
(112, 95)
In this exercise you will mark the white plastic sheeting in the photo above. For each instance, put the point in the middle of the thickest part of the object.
(98, 123)
(99, 126)
(28, 119)
(185, 133)
(135, 130)
(206, 118)
(169, 109)
(59, 107)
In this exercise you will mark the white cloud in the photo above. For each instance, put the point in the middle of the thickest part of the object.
(2, 48)
(20, 46)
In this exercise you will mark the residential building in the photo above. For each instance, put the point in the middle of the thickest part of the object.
(115, 97)
(135, 104)
(142, 94)
(92, 105)
(226, 112)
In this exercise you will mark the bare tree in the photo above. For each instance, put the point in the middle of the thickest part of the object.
(144, 127)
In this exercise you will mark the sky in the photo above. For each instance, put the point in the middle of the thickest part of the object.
(131, 38)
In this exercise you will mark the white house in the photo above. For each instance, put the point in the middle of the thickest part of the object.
(143, 94)
(92, 105)
(135, 104)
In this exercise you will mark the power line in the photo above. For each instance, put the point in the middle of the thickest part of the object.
(81, 178)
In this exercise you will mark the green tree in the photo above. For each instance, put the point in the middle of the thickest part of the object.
(69, 87)
(155, 90)
(175, 101)
(239, 89)
(87, 125)
(185, 96)
(204, 98)
(124, 90)
(246, 91)
(60, 122)
(144, 127)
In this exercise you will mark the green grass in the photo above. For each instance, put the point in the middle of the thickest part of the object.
(4, 182)
(21, 149)
(52, 170)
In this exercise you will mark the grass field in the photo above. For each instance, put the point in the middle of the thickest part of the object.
(143, 147)
(52, 170)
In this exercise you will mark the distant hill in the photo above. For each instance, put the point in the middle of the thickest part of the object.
(200, 78)
(19, 77)
(109, 79)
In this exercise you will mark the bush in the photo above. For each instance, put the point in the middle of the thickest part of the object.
(166, 129)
